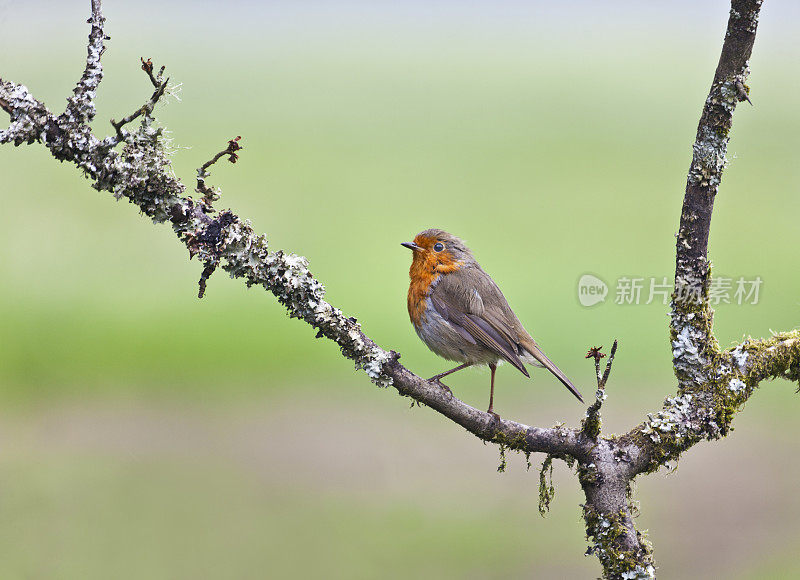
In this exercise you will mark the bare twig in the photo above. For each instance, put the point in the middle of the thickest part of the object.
(209, 195)
(147, 109)
(602, 382)
(743, 92)
(591, 424)
(147, 67)
(207, 271)
(596, 353)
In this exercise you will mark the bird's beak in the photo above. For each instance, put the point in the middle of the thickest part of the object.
(411, 246)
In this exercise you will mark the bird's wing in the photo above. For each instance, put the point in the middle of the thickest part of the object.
(457, 299)
(484, 306)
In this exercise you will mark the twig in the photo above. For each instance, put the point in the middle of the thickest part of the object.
(147, 108)
(209, 195)
(596, 354)
(147, 66)
(207, 271)
(602, 383)
(591, 424)
(743, 92)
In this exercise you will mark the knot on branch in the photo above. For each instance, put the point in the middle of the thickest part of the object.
(207, 243)
(743, 91)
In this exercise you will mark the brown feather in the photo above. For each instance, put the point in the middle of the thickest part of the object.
(488, 317)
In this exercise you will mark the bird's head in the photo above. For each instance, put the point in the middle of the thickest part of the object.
(436, 250)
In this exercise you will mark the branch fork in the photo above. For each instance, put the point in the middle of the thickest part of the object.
(160, 83)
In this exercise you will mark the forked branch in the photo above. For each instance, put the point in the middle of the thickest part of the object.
(160, 84)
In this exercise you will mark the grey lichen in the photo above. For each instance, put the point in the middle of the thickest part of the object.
(674, 419)
(709, 158)
(687, 352)
(27, 115)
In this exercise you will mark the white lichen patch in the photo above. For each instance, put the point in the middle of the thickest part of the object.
(710, 148)
(736, 385)
(640, 573)
(740, 356)
(675, 418)
(687, 357)
(709, 158)
(683, 346)
(372, 362)
(725, 94)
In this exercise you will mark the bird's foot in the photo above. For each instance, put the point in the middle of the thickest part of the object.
(441, 385)
(494, 415)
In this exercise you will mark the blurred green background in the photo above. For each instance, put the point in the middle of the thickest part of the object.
(148, 434)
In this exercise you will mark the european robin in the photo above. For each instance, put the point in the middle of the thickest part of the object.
(460, 314)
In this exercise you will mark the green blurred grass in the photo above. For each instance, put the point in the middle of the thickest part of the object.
(254, 533)
(553, 153)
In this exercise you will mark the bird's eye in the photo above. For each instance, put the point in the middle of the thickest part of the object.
(438, 247)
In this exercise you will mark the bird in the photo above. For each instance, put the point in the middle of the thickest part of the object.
(460, 314)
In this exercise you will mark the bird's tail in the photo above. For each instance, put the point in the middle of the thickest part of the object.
(541, 358)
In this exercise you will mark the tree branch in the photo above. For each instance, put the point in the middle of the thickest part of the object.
(710, 383)
(692, 316)
(142, 173)
(80, 106)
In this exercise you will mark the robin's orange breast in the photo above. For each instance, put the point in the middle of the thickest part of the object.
(425, 270)
(417, 295)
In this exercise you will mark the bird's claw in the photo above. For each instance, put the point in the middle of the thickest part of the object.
(442, 386)
(495, 416)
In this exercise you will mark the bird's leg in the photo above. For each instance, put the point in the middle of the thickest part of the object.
(492, 368)
(450, 372)
(435, 379)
